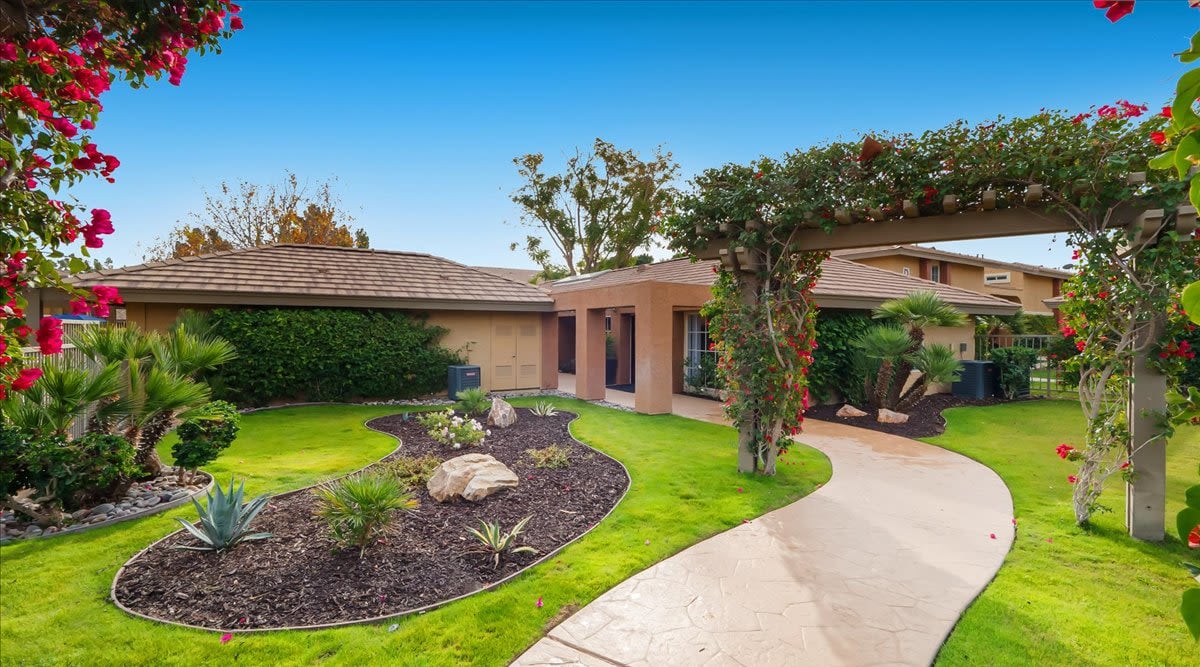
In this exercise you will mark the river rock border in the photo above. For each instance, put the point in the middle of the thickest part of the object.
(86, 516)
(112, 594)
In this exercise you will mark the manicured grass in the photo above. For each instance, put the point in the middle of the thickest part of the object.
(53, 607)
(1068, 596)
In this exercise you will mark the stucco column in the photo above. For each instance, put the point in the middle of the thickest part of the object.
(549, 351)
(589, 353)
(655, 357)
(622, 328)
(1145, 498)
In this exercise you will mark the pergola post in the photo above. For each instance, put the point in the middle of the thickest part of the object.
(1145, 496)
(749, 286)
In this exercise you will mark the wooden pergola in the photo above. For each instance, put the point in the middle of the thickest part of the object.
(986, 216)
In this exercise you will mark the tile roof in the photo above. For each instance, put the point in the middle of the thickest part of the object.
(928, 252)
(520, 275)
(842, 282)
(323, 273)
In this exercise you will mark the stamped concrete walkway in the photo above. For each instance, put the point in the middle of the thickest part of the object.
(874, 568)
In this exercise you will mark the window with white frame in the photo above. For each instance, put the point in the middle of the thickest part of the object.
(700, 372)
(997, 278)
(935, 273)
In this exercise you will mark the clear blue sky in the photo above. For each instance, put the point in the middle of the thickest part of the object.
(418, 109)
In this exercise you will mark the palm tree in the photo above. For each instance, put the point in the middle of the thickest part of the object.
(936, 364)
(888, 344)
(189, 354)
(157, 397)
(916, 312)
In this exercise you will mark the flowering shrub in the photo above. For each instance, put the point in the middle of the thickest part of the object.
(451, 429)
(56, 61)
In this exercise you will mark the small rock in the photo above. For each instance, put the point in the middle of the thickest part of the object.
(101, 509)
(98, 518)
(471, 476)
(79, 514)
(151, 501)
(848, 410)
(889, 417)
(182, 493)
(165, 497)
(33, 531)
(502, 415)
(51, 530)
(181, 595)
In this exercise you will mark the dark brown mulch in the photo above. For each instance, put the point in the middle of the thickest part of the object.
(301, 577)
(924, 420)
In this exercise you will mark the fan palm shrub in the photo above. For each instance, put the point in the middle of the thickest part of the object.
(363, 507)
(915, 312)
(937, 364)
(887, 345)
(62, 395)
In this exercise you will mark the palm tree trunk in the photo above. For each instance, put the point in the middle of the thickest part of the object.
(904, 368)
(883, 383)
(147, 441)
(914, 394)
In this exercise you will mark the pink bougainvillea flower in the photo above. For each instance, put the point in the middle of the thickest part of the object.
(1158, 138)
(1072, 479)
(1050, 540)
(992, 535)
(1014, 520)
(1116, 9)
(26, 378)
(1166, 112)
(49, 335)
(739, 489)
(226, 637)
(1064, 450)
(23, 331)
(1193, 540)
(539, 602)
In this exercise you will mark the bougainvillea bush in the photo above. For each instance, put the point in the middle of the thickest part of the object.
(57, 59)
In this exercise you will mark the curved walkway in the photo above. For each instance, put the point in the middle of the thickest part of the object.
(874, 568)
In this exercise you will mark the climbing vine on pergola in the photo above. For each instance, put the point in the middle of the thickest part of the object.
(771, 222)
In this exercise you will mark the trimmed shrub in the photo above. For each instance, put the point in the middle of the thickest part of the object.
(839, 367)
(1013, 366)
(552, 456)
(204, 435)
(413, 471)
(65, 473)
(327, 354)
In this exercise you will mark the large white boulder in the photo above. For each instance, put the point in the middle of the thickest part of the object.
(502, 415)
(470, 476)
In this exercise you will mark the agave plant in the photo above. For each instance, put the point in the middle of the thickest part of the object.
(225, 522)
(544, 409)
(360, 508)
(494, 542)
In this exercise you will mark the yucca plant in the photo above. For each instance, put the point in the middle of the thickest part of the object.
(225, 522)
(473, 401)
(363, 507)
(494, 542)
(544, 409)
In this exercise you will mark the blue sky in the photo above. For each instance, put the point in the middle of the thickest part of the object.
(418, 109)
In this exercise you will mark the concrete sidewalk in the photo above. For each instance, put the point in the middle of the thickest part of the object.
(874, 568)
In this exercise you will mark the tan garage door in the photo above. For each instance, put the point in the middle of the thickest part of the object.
(516, 352)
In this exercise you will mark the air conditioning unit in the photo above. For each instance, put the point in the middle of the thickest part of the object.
(462, 377)
(978, 380)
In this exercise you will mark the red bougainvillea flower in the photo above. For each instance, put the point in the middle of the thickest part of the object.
(539, 602)
(23, 331)
(1080, 118)
(1159, 138)
(1166, 112)
(1064, 450)
(1102, 295)
(992, 535)
(1072, 479)
(1116, 9)
(49, 335)
(1194, 538)
(26, 378)
(758, 175)
(1125, 465)
(226, 637)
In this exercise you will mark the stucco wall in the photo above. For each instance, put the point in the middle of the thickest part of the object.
(895, 264)
(494, 342)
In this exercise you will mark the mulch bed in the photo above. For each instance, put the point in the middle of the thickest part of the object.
(924, 420)
(301, 577)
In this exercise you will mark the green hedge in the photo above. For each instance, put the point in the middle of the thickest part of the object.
(1013, 366)
(327, 354)
(838, 369)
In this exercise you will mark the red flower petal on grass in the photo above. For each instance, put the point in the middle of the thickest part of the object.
(226, 637)
(1072, 479)
(539, 602)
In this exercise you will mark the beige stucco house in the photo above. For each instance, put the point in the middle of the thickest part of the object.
(1023, 284)
(496, 321)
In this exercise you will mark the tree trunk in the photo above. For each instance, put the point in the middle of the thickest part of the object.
(49, 515)
(904, 368)
(914, 394)
(747, 461)
(883, 384)
(147, 441)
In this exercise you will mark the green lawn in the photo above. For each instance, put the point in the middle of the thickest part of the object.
(1067, 596)
(53, 607)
